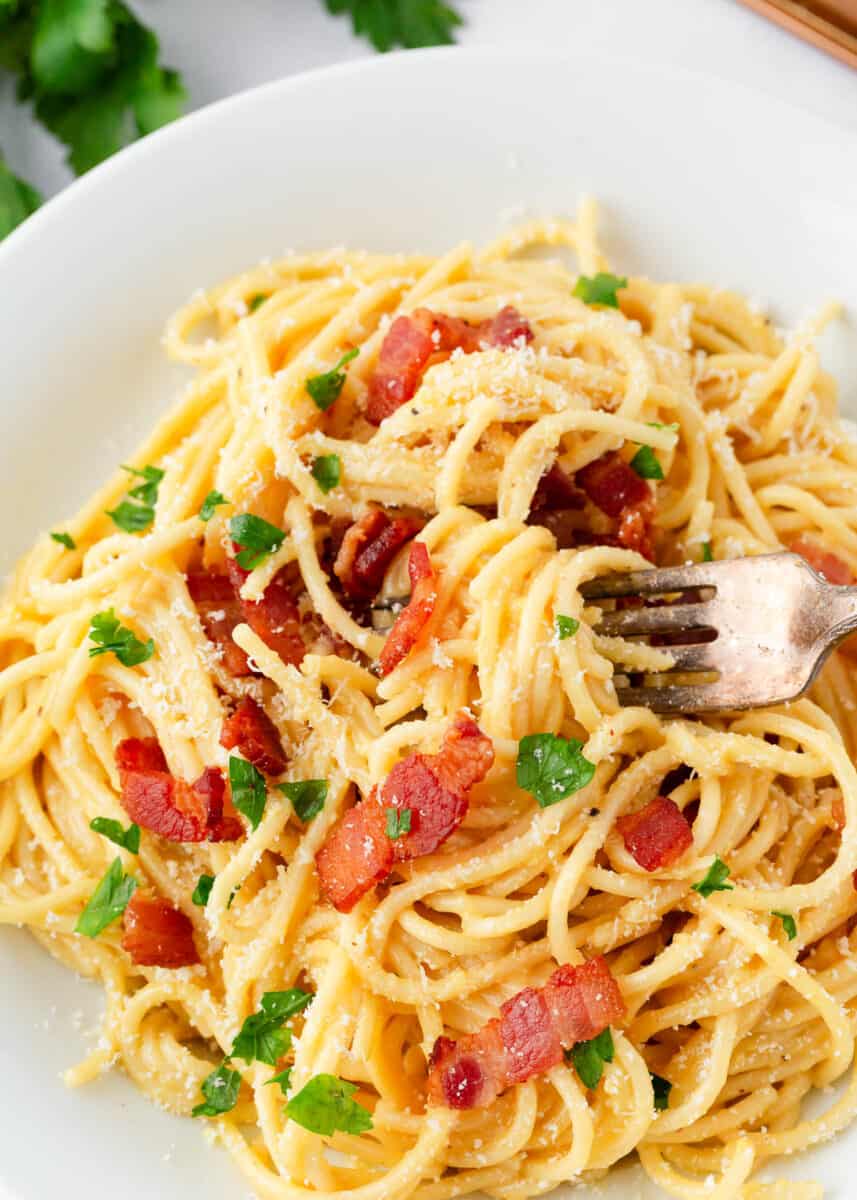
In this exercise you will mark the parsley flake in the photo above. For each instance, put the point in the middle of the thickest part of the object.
(566, 627)
(220, 1089)
(707, 552)
(389, 23)
(202, 891)
(256, 301)
(111, 637)
(327, 471)
(258, 539)
(262, 1037)
(147, 491)
(325, 388)
(249, 792)
(131, 518)
(645, 463)
(661, 1088)
(600, 289)
(307, 796)
(324, 1105)
(715, 879)
(107, 902)
(128, 839)
(284, 1079)
(551, 767)
(673, 426)
(789, 923)
(212, 501)
(589, 1057)
(65, 539)
(398, 823)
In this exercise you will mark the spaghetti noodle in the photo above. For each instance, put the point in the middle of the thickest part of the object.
(490, 394)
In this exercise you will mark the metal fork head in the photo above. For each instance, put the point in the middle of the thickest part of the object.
(745, 633)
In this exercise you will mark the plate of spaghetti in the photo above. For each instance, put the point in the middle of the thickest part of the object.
(312, 762)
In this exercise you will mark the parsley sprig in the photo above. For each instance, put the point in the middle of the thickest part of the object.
(108, 902)
(137, 512)
(589, 1057)
(324, 1105)
(714, 879)
(307, 796)
(552, 767)
(324, 389)
(111, 637)
(600, 289)
(263, 1036)
(258, 539)
(128, 839)
(249, 791)
(408, 23)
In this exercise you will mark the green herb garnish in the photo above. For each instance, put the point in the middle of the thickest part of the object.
(128, 839)
(65, 539)
(552, 767)
(324, 1105)
(408, 23)
(645, 463)
(256, 301)
(789, 923)
(111, 637)
(220, 1089)
(202, 891)
(398, 823)
(326, 471)
(715, 879)
(212, 501)
(108, 901)
(566, 627)
(307, 796)
(284, 1079)
(263, 1037)
(707, 552)
(600, 289)
(258, 538)
(589, 1057)
(130, 517)
(325, 388)
(661, 1088)
(249, 792)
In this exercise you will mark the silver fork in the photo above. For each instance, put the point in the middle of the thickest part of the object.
(769, 624)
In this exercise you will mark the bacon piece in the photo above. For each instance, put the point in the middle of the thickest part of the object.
(635, 529)
(178, 811)
(219, 611)
(575, 1005)
(656, 835)
(612, 485)
(411, 341)
(255, 735)
(356, 855)
(368, 548)
(837, 808)
(556, 491)
(411, 622)
(156, 934)
(275, 618)
(828, 565)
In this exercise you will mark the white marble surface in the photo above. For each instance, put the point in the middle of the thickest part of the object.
(225, 46)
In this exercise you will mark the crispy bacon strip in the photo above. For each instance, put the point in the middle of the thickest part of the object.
(275, 618)
(411, 622)
(220, 611)
(156, 934)
(411, 341)
(252, 732)
(657, 835)
(178, 811)
(358, 854)
(614, 487)
(828, 565)
(528, 1038)
(557, 491)
(368, 548)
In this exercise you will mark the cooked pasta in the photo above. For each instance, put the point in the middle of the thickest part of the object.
(509, 428)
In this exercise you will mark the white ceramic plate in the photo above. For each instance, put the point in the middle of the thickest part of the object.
(699, 180)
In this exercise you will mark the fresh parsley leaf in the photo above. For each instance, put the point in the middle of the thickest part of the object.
(645, 463)
(673, 426)
(71, 43)
(408, 23)
(566, 627)
(65, 539)
(589, 1057)
(128, 839)
(130, 517)
(17, 199)
(108, 901)
(147, 491)
(307, 796)
(661, 1088)
(327, 471)
(111, 637)
(324, 1105)
(232, 896)
(262, 1036)
(212, 501)
(707, 552)
(288, 1003)
(789, 923)
(600, 289)
(249, 793)
(325, 388)
(284, 1079)
(258, 538)
(551, 767)
(202, 891)
(715, 879)
(256, 301)
(220, 1089)
(398, 823)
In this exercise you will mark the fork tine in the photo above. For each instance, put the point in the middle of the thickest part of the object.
(673, 618)
(701, 657)
(645, 583)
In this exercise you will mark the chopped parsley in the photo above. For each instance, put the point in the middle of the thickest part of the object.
(552, 767)
(707, 552)
(65, 539)
(398, 823)
(325, 388)
(202, 891)
(249, 792)
(327, 471)
(256, 301)
(566, 627)
(258, 539)
(212, 501)
(111, 637)
(284, 1079)
(661, 1088)
(389, 23)
(262, 1037)
(715, 879)
(789, 923)
(589, 1057)
(138, 512)
(307, 796)
(147, 491)
(324, 1105)
(673, 426)
(128, 839)
(220, 1089)
(645, 463)
(108, 901)
(600, 289)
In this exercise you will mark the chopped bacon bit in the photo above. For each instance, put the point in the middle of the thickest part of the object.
(357, 855)
(575, 1005)
(368, 548)
(556, 491)
(255, 735)
(410, 624)
(433, 787)
(412, 341)
(156, 934)
(612, 485)
(220, 611)
(854, 881)
(657, 835)
(635, 529)
(275, 618)
(828, 565)
(178, 811)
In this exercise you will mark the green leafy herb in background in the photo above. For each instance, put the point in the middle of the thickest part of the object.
(408, 23)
